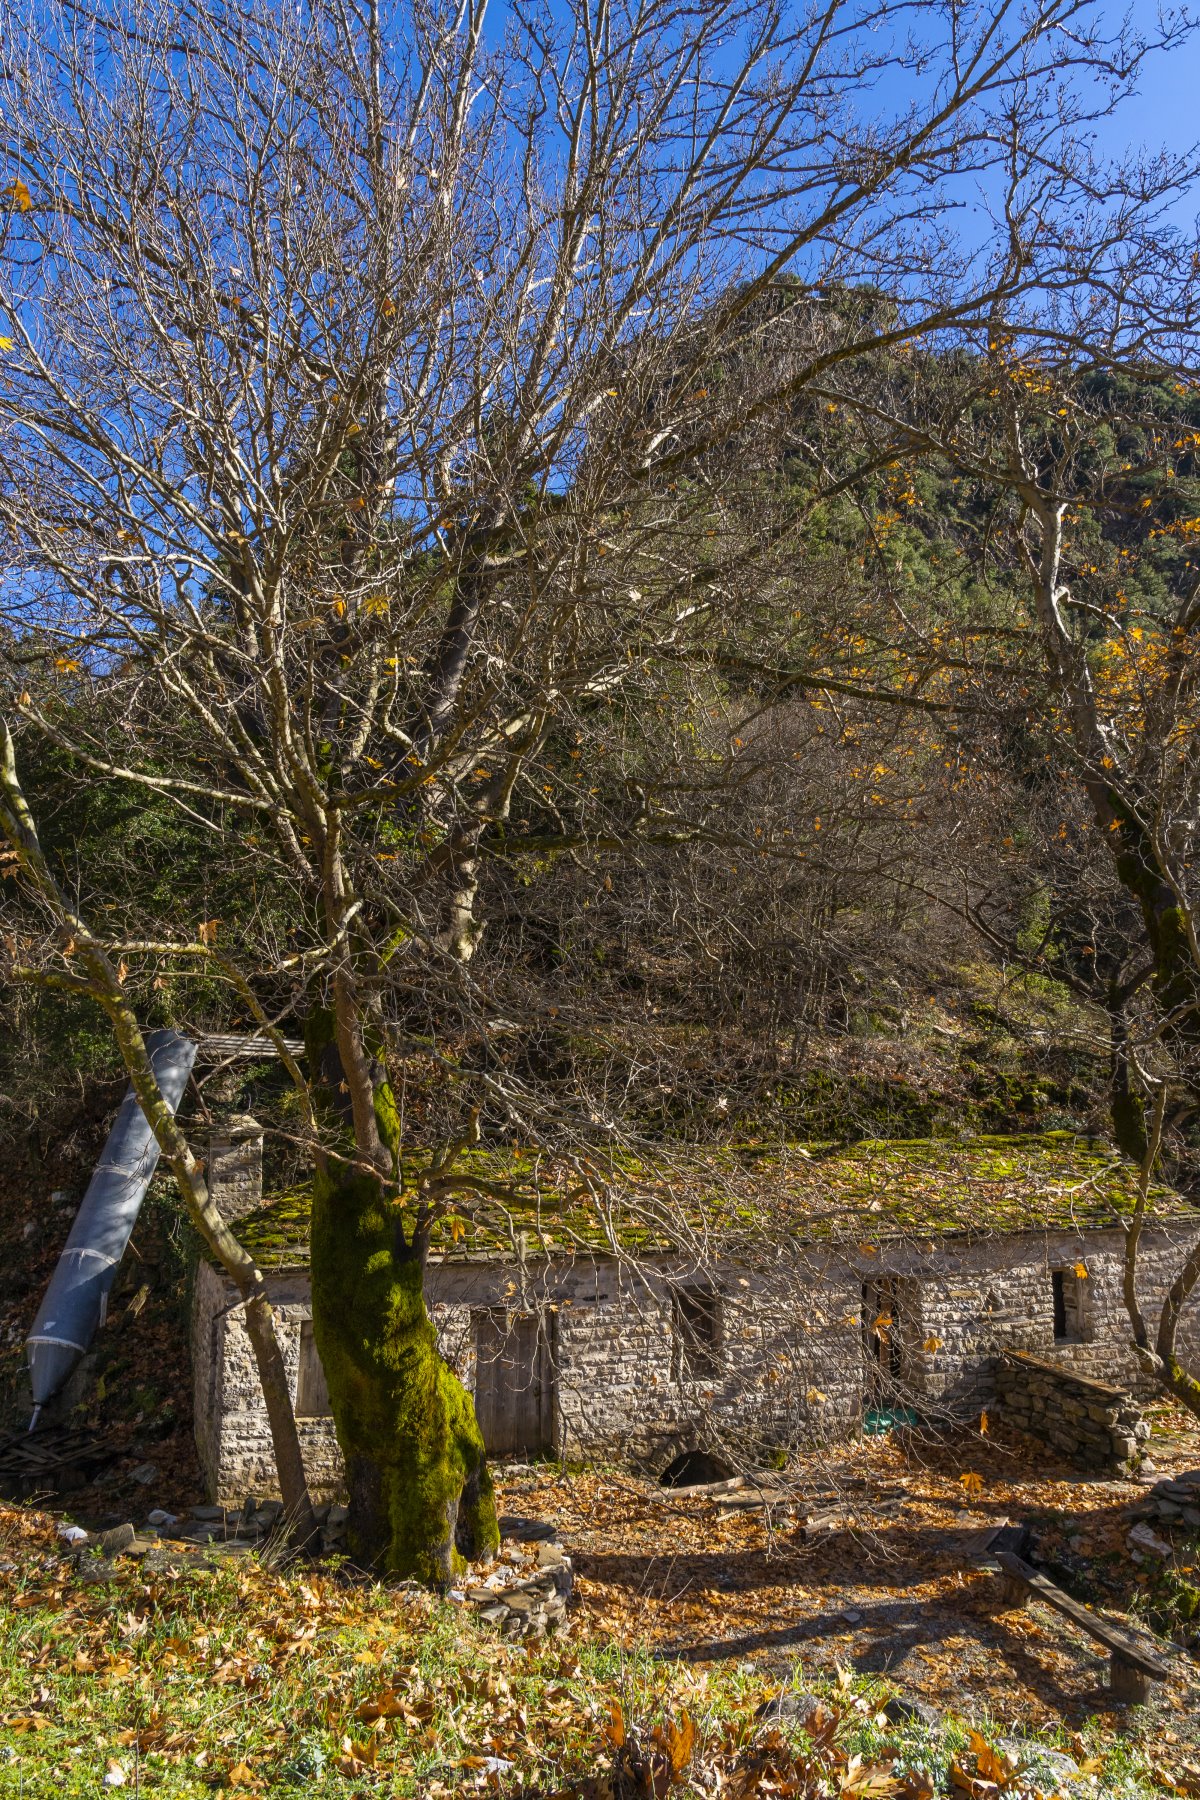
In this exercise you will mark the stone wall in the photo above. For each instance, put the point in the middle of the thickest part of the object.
(791, 1366)
(971, 1301)
(789, 1359)
(232, 1435)
(235, 1166)
(1090, 1423)
(207, 1296)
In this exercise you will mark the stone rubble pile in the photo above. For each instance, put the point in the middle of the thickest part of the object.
(1175, 1500)
(253, 1521)
(525, 1592)
(1092, 1424)
(227, 1530)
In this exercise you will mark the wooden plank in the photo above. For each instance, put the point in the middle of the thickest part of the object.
(1123, 1647)
(26, 1454)
(704, 1490)
(1128, 1682)
(312, 1389)
(514, 1389)
(982, 1544)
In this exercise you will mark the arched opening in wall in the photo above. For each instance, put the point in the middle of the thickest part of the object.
(693, 1467)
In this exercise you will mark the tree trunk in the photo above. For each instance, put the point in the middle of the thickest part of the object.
(421, 1498)
(1127, 1109)
(1176, 975)
(420, 1493)
(298, 1515)
(104, 985)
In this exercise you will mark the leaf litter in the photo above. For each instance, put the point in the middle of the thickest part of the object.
(691, 1613)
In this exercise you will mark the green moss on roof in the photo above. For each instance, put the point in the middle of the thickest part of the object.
(878, 1188)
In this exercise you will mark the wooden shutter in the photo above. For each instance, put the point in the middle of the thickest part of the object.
(312, 1390)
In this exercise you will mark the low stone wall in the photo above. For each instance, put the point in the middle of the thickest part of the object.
(1097, 1426)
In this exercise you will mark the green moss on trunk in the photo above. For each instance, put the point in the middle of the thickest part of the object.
(1184, 1386)
(420, 1494)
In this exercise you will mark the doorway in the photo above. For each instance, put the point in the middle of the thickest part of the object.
(884, 1330)
(514, 1382)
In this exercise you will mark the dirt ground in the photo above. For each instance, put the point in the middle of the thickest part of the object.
(890, 1587)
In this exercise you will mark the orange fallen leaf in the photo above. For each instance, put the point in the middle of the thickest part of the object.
(614, 1730)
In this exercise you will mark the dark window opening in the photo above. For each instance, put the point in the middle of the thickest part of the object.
(692, 1468)
(1060, 1303)
(883, 1328)
(1071, 1312)
(312, 1390)
(696, 1326)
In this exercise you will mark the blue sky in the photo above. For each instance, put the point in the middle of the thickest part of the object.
(1163, 113)
(1166, 111)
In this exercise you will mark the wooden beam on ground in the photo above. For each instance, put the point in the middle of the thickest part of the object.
(1132, 1667)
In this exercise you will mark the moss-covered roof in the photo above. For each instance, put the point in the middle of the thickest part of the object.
(727, 1197)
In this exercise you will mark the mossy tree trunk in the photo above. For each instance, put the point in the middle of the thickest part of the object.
(421, 1498)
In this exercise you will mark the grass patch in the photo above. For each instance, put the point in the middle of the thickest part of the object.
(236, 1678)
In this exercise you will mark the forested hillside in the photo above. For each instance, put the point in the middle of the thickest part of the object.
(822, 873)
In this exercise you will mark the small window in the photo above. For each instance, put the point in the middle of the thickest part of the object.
(696, 1327)
(1071, 1309)
(312, 1390)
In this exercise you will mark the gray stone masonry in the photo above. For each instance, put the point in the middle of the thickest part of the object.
(794, 1359)
(232, 1432)
(235, 1160)
(1093, 1425)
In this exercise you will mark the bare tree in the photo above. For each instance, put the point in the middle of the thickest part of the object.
(361, 413)
(1071, 666)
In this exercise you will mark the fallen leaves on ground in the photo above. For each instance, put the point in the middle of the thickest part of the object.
(887, 1588)
(225, 1673)
(767, 1763)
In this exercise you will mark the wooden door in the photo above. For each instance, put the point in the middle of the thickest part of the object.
(312, 1390)
(514, 1385)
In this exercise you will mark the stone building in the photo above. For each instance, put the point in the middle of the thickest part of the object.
(890, 1279)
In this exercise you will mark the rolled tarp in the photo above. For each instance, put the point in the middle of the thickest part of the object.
(75, 1301)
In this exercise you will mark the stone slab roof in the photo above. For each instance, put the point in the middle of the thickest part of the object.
(721, 1200)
